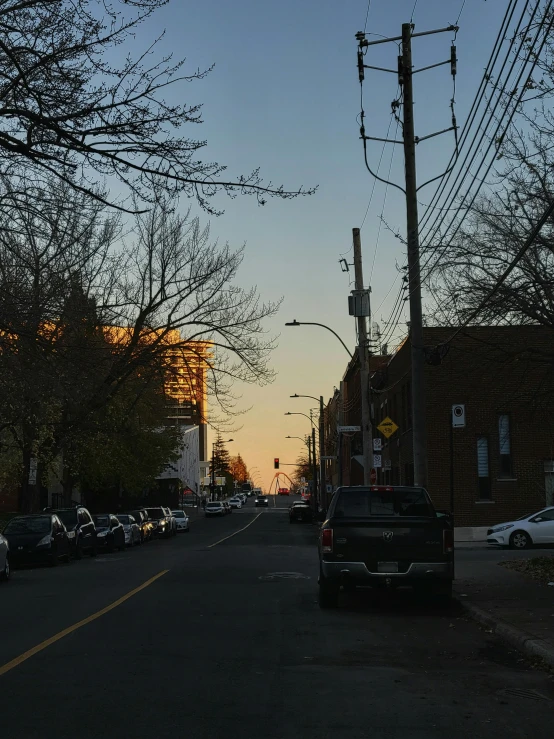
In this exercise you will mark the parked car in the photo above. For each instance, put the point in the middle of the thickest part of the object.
(80, 530)
(300, 511)
(182, 520)
(243, 497)
(4, 558)
(131, 529)
(261, 500)
(537, 528)
(171, 520)
(385, 536)
(236, 502)
(141, 517)
(160, 523)
(214, 508)
(110, 534)
(37, 538)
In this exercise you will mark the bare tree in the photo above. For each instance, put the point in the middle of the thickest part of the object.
(85, 312)
(66, 108)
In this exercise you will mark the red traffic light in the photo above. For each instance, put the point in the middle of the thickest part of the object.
(276, 463)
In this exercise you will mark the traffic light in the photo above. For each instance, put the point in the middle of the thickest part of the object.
(276, 463)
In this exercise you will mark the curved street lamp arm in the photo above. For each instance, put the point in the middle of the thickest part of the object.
(312, 323)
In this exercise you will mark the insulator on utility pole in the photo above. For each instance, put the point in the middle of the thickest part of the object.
(453, 60)
(360, 66)
(400, 71)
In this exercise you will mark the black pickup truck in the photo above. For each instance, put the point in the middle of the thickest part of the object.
(385, 537)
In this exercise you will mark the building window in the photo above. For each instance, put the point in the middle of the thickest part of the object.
(504, 446)
(483, 472)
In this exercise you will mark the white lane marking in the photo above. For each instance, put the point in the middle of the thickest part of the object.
(235, 532)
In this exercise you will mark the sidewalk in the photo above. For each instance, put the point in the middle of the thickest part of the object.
(516, 608)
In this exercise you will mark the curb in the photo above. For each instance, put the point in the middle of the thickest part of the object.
(521, 640)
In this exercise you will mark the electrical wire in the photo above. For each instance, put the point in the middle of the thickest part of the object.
(474, 107)
(532, 57)
(466, 166)
(367, 14)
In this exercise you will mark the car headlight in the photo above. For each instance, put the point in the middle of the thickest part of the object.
(503, 528)
(45, 541)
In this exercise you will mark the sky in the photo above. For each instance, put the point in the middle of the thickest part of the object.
(284, 96)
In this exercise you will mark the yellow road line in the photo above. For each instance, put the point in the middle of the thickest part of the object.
(70, 629)
(234, 532)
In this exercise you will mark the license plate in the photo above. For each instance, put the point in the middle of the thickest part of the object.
(387, 566)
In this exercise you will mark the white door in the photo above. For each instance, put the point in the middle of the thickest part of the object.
(543, 531)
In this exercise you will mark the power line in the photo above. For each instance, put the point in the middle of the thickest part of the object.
(494, 138)
(367, 14)
(474, 107)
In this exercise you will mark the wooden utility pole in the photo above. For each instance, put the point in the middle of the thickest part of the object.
(363, 355)
(414, 276)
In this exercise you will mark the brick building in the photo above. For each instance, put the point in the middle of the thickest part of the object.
(503, 458)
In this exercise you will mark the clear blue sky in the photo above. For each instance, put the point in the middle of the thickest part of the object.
(284, 96)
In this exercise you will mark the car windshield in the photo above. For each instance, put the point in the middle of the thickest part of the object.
(124, 520)
(178, 514)
(214, 505)
(260, 497)
(394, 502)
(69, 518)
(136, 515)
(155, 513)
(34, 525)
(102, 521)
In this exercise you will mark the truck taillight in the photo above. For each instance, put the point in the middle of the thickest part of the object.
(448, 540)
(327, 540)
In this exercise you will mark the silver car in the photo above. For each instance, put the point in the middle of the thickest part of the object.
(4, 558)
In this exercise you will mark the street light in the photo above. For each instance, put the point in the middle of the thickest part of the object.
(311, 323)
(322, 476)
(367, 443)
(213, 465)
(300, 414)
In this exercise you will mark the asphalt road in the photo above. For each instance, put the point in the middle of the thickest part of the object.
(229, 642)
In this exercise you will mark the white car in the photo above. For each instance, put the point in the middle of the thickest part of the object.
(131, 529)
(214, 508)
(182, 520)
(538, 528)
(4, 558)
(235, 502)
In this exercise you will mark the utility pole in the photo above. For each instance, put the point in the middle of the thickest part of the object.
(322, 488)
(405, 79)
(363, 355)
(314, 461)
(414, 276)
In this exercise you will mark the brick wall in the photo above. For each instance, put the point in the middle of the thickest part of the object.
(491, 371)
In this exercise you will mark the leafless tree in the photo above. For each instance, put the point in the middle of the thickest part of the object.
(68, 109)
(86, 310)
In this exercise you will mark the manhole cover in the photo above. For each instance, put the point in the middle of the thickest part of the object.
(283, 576)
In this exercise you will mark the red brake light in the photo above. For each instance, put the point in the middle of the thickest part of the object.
(448, 540)
(327, 540)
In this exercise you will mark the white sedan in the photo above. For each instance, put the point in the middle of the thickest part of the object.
(235, 502)
(538, 528)
(4, 558)
(182, 520)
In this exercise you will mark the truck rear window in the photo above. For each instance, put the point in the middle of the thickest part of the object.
(397, 502)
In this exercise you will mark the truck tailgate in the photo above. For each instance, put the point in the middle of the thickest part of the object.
(388, 540)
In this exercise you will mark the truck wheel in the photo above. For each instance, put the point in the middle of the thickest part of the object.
(328, 593)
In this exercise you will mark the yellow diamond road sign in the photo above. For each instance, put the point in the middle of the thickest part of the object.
(387, 427)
